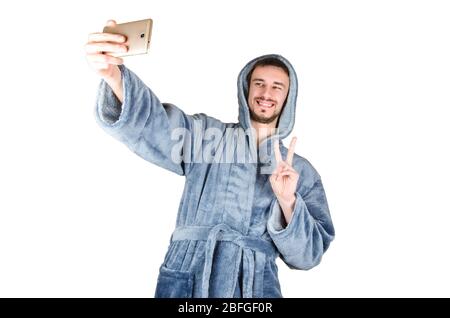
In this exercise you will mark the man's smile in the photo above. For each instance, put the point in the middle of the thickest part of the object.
(265, 104)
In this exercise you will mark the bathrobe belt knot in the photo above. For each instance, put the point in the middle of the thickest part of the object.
(247, 245)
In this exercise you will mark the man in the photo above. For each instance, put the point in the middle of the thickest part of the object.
(238, 213)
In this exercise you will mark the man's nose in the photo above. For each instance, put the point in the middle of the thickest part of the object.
(266, 93)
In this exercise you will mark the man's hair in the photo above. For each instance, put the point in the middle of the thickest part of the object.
(268, 61)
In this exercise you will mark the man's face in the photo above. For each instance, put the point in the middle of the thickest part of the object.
(268, 89)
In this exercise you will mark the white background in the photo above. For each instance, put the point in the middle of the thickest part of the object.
(82, 216)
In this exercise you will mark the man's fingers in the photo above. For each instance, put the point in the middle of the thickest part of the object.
(291, 151)
(104, 58)
(276, 150)
(283, 167)
(105, 47)
(277, 170)
(106, 37)
(283, 174)
(111, 23)
(288, 173)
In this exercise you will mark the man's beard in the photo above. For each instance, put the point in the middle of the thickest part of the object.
(262, 119)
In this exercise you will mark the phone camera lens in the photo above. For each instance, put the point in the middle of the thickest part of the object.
(142, 35)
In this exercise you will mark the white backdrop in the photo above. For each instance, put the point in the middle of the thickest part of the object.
(82, 216)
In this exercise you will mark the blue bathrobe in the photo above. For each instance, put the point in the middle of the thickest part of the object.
(230, 228)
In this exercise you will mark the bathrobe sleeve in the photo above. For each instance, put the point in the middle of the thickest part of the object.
(160, 133)
(304, 240)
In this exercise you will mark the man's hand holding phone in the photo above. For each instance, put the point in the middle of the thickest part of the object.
(104, 49)
(98, 49)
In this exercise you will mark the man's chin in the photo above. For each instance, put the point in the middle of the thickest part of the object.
(263, 119)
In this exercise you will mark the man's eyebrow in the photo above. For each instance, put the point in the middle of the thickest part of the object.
(261, 80)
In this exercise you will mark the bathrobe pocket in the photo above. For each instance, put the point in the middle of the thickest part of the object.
(174, 284)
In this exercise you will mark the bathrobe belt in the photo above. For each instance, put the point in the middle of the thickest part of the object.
(247, 244)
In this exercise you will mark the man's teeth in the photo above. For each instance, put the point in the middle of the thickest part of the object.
(264, 104)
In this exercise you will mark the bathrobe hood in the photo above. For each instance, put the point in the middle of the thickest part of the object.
(287, 118)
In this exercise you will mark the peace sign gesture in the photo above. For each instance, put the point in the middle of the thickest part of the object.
(284, 179)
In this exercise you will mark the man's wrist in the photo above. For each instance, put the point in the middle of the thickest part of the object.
(115, 78)
(287, 207)
(288, 201)
(115, 82)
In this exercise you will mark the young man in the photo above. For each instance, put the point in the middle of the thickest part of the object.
(238, 212)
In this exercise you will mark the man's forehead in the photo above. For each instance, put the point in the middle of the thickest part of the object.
(270, 72)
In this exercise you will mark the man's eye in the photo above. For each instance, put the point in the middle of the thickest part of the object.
(277, 87)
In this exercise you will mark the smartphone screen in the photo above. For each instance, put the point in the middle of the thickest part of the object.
(138, 35)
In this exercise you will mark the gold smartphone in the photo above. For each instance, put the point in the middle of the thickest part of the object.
(138, 35)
